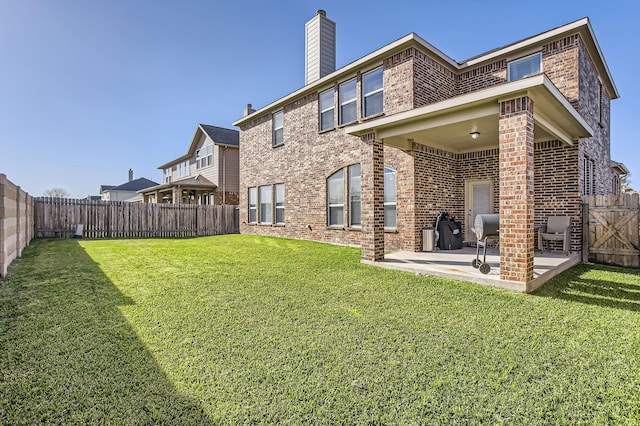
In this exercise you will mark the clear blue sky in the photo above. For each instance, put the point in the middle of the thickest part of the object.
(90, 88)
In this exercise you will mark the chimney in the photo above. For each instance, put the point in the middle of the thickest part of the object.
(248, 110)
(320, 47)
(130, 175)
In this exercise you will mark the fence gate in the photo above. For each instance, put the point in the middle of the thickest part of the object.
(613, 229)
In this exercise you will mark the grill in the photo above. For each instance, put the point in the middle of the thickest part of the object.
(486, 227)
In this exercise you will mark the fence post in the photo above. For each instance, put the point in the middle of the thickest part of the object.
(585, 231)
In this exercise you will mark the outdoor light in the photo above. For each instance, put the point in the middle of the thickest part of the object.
(475, 135)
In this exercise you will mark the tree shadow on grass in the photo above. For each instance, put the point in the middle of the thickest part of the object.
(68, 355)
(599, 285)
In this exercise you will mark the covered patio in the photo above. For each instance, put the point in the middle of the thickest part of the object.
(456, 264)
(506, 119)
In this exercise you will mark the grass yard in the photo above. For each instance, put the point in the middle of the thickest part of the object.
(245, 329)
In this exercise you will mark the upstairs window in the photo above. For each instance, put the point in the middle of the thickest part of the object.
(347, 98)
(525, 67)
(335, 198)
(167, 176)
(372, 93)
(183, 169)
(327, 110)
(278, 128)
(204, 156)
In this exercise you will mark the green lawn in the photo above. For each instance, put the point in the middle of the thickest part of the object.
(244, 329)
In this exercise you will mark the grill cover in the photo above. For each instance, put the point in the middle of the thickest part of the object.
(486, 225)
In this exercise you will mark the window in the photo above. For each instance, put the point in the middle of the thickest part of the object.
(389, 198)
(265, 204)
(335, 198)
(525, 67)
(204, 156)
(278, 128)
(354, 195)
(253, 205)
(589, 176)
(347, 95)
(279, 202)
(167, 176)
(327, 109)
(183, 169)
(372, 99)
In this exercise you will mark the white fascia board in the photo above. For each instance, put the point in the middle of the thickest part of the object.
(350, 68)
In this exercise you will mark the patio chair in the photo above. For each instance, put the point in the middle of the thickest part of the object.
(558, 228)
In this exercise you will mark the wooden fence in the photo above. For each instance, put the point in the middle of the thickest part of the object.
(58, 218)
(612, 230)
(16, 222)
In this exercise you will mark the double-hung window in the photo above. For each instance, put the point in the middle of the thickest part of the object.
(355, 192)
(253, 205)
(335, 198)
(525, 67)
(265, 204)
(278, 128)
(204, 156)
(347, 98)
(183, 169)
(279, 202)
(389, 198)
(167, 175)
(327, 110)
(372, 93)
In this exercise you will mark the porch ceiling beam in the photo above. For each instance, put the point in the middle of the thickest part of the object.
(542, 121)
(442, 120)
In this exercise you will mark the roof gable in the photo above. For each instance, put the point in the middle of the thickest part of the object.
(217, 135)
(134, 185)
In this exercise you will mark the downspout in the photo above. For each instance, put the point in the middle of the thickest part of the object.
(224, 174)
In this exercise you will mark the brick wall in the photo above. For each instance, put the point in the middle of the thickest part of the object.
(482, 77)
(433, 81)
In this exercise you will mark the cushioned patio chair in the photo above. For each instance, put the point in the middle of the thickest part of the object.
(558, 228)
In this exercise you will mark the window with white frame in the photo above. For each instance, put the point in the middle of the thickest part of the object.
(347, 98)
(183, 169)
(389, 198)
(589, 181)
(253, 205)
(278, 128)
(372, 93)
(335, 199)
(525, 67)
(278, 190)
(327, 110)
(265, 201)
(204, 156)
(167, 175)
(355, 191)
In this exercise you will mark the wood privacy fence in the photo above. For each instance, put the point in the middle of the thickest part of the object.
(58, 218)
(16, 222)
(612, 230)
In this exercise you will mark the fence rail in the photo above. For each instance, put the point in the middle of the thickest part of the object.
(612, 229)
(16, 222)
(58, 218)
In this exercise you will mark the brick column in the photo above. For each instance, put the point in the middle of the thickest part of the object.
(516, 190)
(372, 198)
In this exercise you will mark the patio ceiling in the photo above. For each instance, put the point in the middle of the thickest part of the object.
(447, 124)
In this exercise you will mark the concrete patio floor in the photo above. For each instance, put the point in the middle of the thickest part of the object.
(456, 264)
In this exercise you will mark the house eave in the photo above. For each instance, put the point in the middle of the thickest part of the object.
(553, 112)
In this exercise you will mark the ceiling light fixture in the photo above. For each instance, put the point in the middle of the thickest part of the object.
(475, 135)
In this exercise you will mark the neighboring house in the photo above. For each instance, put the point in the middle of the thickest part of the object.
(127, 191)
(369, 153)
(621, 174)
(206, 174)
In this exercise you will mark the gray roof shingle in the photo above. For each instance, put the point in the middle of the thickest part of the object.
(221, 135)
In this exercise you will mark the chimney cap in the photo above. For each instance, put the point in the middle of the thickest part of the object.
(321, 12)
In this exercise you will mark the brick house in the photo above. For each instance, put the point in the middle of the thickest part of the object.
(207, 174)
(367, 154)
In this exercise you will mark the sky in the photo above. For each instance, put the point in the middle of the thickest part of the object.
(91, 88)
